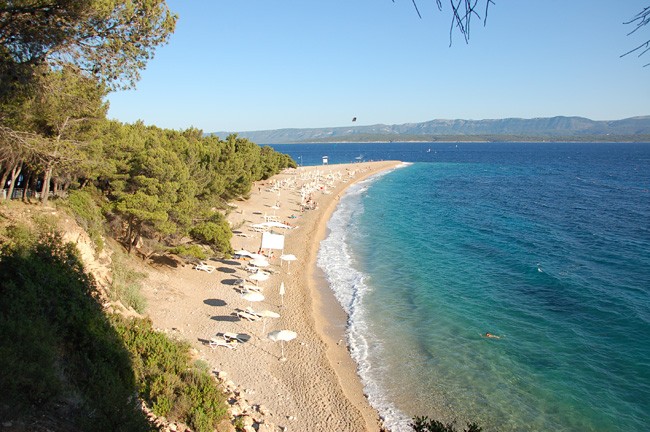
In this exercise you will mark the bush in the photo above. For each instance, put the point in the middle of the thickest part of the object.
(88, 215)
(215, 232)
(56, 345)
(189, 251)
(166, 378)
(126, 284)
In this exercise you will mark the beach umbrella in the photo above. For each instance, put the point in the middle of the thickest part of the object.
(243, 252)
(252, 296)
(255, 256)
(288, 258)
(282, 336)
(282, 292)
(259, 277)
(259, 262)
(267, 314)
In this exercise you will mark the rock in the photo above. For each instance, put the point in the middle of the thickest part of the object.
(263, 410)
(173, 427)
(236, 410)
(266, 427)
(244, 406)
(247, 421)
(249, 429)
(226, 426)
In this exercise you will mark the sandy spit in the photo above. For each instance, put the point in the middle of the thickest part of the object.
(316, 388)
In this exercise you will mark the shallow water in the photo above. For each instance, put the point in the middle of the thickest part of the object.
(547, 246)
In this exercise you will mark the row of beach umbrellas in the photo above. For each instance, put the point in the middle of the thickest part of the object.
(260, 261)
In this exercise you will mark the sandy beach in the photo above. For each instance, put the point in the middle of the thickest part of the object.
(316, 387)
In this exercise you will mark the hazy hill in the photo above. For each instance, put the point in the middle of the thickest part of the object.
(555, 128)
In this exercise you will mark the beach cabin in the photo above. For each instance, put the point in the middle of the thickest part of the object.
(325, 160)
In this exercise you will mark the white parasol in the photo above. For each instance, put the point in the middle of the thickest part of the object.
(253, 296)
(282, 336)
(288, 258)
(259, 277)
(267, 314)
(260, 262)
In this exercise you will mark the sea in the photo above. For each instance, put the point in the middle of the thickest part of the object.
(545, 245)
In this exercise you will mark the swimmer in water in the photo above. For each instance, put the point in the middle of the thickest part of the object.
(490, 335)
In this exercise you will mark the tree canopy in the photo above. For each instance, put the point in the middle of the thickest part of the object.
(109, 39)
(58, 61)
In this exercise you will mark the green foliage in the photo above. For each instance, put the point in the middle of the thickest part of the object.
(110, 39)
(55, 341)
(189, 251)
(126, 283)
(174, 387)
(214, 232)
(425, 424)
(20, 238)
(88, 215)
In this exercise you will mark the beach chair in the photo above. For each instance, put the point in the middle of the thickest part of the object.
(214, 343)
(248, 316)
(248, 288)
(232, 338)
(205, 267)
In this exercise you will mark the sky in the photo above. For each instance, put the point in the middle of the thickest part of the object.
(246, 65)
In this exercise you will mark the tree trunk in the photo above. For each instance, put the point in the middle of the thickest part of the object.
(129, 233)
(27, 184)
(15, 172)
(3, 181)
(45, 193)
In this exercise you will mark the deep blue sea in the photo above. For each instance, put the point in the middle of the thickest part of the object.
(545, 245)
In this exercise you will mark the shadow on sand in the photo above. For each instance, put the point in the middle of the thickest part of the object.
(214, 302)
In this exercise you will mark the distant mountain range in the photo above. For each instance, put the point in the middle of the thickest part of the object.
(509, 129)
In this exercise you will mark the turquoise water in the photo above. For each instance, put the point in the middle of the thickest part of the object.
(547, 247)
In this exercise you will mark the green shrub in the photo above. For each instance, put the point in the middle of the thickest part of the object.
(189, 251)
(215, 232)
(126, 284)
(57, 345)
(88, 214)
(167, 379)
(20, 238)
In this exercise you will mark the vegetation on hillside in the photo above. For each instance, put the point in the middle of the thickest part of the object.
(58, 61)
(66, 365)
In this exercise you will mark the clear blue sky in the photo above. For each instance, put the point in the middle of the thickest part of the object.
(242, 65)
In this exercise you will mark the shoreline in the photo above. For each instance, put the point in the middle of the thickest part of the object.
(317, 388)
(331, 319)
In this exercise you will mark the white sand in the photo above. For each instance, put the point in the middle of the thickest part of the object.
(316, 388)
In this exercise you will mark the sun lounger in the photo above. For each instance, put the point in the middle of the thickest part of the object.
(248, 287)
(214, 343)
(232, 337)
(248, 316)
(205, 267)
(252, 312)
